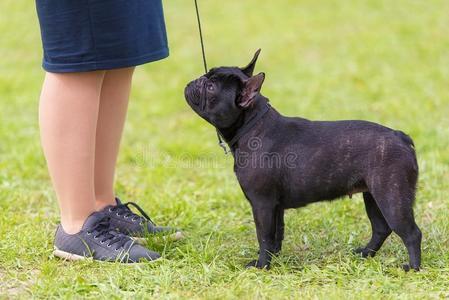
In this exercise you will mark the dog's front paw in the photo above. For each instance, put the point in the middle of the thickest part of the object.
(276, 251)
(256, 264)
(407, 268)
(364, 252)
(251, 264)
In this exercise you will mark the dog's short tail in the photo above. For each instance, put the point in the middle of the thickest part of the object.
(408, 140)
(404, 137)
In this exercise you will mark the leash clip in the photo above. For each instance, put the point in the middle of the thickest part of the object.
(223, 145)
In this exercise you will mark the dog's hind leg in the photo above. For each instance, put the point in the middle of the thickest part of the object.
(395, 199)
(380, 228)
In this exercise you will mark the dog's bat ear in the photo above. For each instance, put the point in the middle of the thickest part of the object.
(250, 90)
(249, 69)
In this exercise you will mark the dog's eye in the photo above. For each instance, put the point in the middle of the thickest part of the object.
(210, 87)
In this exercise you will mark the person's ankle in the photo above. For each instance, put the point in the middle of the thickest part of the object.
(104, 200)
(72, 226)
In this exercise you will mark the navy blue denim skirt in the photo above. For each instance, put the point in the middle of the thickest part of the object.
(88, 35)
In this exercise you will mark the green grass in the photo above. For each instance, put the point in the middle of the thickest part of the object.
(384, 61)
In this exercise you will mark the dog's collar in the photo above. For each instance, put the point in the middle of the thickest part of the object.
(244, 129)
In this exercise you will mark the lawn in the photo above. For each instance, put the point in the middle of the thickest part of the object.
(384, 61)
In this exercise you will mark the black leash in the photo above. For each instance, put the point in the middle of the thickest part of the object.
(201, 36)
(220, 139)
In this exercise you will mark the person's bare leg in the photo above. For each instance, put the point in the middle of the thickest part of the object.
(111, 118)
(68, 115)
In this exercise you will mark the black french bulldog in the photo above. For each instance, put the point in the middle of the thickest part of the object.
(287, 162)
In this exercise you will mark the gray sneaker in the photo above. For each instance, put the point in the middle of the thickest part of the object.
(134, 225)
(98, 240)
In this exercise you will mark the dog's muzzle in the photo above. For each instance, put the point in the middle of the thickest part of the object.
(194, 91)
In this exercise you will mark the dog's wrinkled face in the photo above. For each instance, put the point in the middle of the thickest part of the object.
(221, 95)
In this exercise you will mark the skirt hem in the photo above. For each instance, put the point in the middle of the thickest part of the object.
(104, 65)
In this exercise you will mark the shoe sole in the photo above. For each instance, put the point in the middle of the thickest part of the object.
(68, 256)
(74, 257)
